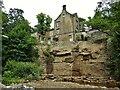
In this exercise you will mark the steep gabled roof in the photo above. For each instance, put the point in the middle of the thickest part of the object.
(64, 6)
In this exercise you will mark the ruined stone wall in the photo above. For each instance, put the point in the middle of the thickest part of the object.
(84, 63)
(91, 59)
(86, 58)
(63, 64)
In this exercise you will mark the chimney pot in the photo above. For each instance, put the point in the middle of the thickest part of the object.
(64, 7)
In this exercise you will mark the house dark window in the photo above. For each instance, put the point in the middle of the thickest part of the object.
(58, 24)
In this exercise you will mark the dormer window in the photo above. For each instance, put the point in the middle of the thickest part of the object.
(58, 23)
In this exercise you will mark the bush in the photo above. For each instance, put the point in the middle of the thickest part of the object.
(9, 78)
(8, 81)
(21, 70)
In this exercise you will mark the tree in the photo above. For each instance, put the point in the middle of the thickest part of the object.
(5, 21)
(102, 19)
(20, 45)
(115, 41)
(1, 5)
(43, 23)
(19, 51)
(108, 18)
(13, 18)
(15, 15)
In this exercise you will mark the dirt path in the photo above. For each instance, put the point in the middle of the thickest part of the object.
(52, 84)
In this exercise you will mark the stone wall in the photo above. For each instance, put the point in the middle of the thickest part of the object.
(63, 63)
(84, 63)
(66, 37)
(87, 58)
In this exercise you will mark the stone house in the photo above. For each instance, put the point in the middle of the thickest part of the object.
(66, 25)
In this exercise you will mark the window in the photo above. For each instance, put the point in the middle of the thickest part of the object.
(58, 31)
(63, 15)
(58, 24)
(77, 24)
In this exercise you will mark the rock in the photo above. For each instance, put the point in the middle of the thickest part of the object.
(104, 40)
(16, 85)
(94, 56)
(65, 53)
(62, 69)
(43, 78)
(68, 60)
(76, 49)
(8, 88)
(27, 88)
(58, 79)
(2, 85)
(47, 76)
(85, 50)
(68, 79)
(85, 55)
(111, 83)
(26, 81)
(118, 84)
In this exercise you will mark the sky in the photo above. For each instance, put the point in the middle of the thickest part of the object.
(84, 8)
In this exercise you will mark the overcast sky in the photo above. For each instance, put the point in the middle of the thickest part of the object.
(84, 8)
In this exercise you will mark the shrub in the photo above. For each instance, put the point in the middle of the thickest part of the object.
(9, 78)
(8, 81)
(21, 70)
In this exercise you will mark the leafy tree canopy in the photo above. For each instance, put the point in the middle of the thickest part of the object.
(19, 45)
(44, 22)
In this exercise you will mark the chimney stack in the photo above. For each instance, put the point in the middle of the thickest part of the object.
(64, 7)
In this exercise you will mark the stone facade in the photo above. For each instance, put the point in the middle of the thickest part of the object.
(66, 25)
